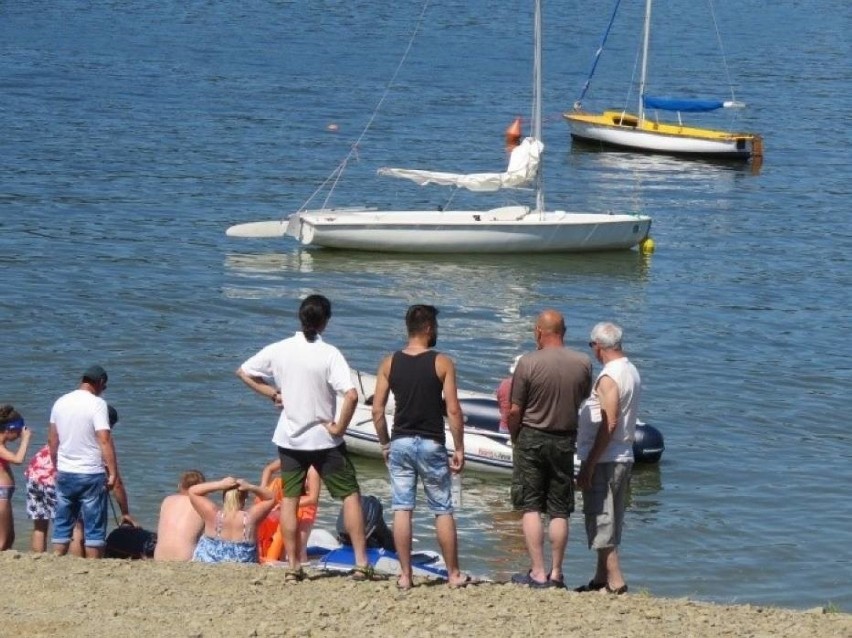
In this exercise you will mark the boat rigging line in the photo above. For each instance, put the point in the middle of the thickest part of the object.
(336, 174)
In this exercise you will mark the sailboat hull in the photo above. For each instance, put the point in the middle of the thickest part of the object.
(504, 230)
(616, 129)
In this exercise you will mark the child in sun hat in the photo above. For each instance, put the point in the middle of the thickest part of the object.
(12, 428)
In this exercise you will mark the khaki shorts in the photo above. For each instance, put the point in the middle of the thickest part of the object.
(604, 504)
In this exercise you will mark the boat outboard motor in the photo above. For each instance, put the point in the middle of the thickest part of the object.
(375, 528)
(648, 444)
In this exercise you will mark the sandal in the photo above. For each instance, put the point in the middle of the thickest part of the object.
(592, 586)
(294, 575)
(529, 581)
(559, 583)
(363, 573)
(617, 591)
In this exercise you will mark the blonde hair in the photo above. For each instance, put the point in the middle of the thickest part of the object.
(233, 500)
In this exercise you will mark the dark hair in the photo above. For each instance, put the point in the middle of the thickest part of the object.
(95, 375)
(112, 415)
(8, 414)
(314, 314)
(420, 317)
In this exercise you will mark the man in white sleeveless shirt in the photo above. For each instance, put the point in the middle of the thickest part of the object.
(606, 430)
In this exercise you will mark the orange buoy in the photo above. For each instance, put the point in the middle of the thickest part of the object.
(513, 134)
(275, 550)
(270, 542)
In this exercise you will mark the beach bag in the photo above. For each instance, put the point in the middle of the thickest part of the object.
(375, 528)
(126, 541)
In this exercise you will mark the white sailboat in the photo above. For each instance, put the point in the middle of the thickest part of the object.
(644, 131)
(508, 229)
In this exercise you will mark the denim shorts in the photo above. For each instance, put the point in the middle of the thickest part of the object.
(83, 495)
(412, 457)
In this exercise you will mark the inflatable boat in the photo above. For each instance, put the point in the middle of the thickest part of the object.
(487, 450)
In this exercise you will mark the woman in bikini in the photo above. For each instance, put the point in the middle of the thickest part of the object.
(12, 428)
(230, 533)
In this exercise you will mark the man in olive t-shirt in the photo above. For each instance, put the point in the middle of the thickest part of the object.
(548, 387)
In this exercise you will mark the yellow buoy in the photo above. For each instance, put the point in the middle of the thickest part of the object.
(646, 247)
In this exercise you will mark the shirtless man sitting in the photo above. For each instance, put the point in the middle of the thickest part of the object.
(180, 525)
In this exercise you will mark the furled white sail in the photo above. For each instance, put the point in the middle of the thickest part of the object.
(523, 167)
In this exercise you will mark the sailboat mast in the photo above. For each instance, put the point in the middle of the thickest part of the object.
(646, 37)
(536, 117)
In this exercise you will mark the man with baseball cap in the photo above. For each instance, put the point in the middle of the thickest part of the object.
(83, 454)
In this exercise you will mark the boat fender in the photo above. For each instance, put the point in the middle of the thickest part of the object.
(647, 246)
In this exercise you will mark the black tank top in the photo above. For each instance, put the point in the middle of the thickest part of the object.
(418, 394)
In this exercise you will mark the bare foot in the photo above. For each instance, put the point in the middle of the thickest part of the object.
(460, 580)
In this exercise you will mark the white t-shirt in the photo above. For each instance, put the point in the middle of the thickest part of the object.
(620, 448)
(77, 416)
(309, 376)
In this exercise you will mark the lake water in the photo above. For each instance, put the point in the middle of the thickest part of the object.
(135, 133)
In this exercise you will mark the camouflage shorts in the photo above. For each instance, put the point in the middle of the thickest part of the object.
(543, 473)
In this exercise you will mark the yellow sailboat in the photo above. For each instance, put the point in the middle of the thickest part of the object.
(645, 132)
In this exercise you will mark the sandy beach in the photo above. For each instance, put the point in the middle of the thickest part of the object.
(48, 596)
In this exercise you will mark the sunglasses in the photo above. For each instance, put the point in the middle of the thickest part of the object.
(592, 344)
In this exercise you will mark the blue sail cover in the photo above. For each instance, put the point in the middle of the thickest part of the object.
(684, 105)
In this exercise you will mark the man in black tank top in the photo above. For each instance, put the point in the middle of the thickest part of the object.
(421, 380)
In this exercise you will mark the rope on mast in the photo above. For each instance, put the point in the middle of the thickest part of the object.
(337, 173)
(597, 56)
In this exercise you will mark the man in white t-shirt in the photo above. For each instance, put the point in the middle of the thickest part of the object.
(607, 427)
(83, 454)
(303, 375)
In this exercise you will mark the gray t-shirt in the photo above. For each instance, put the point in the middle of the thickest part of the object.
(549, 385)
